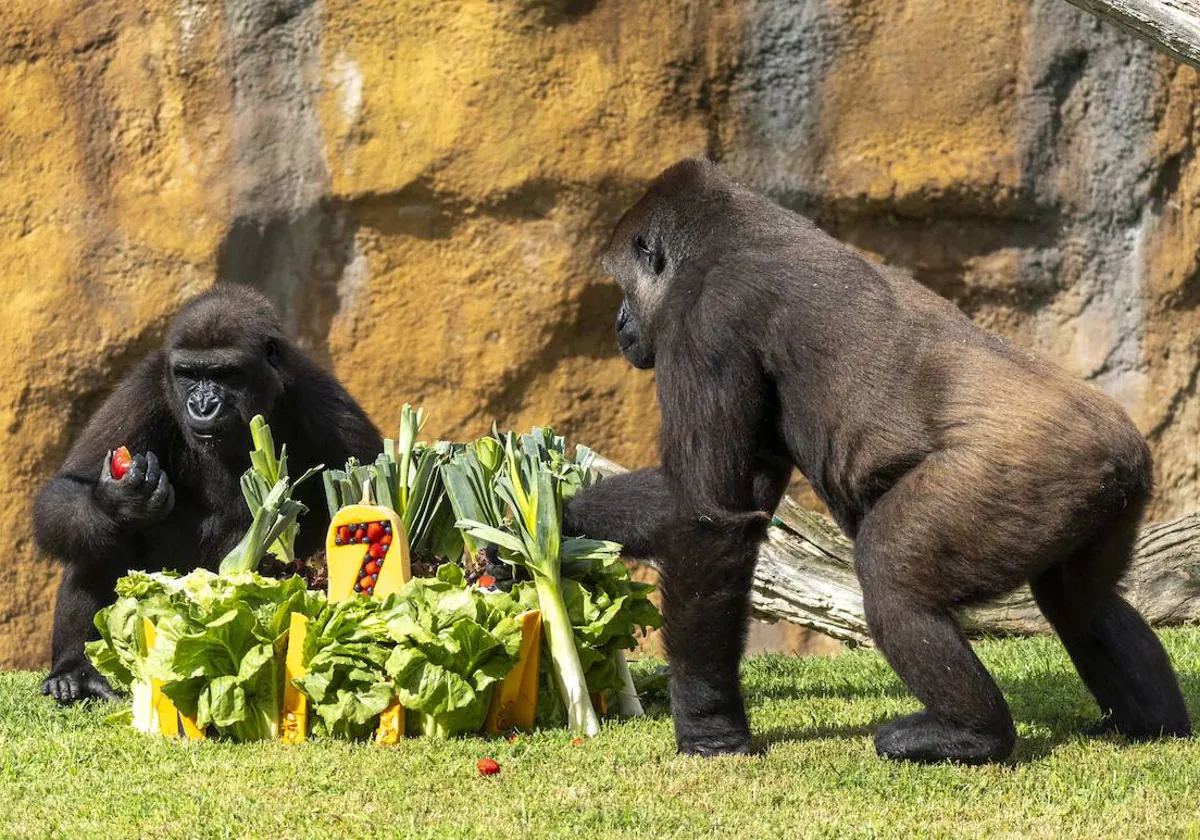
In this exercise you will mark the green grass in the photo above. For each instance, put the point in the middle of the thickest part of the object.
(66, 772)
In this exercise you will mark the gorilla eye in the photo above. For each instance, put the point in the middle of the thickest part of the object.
(654, 259)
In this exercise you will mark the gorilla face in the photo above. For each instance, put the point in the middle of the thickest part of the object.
(639, 268)
(632, 341)
(660, 240)
(225, 358)
(216, 391)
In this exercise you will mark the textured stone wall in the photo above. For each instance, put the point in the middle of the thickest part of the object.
(422, 186)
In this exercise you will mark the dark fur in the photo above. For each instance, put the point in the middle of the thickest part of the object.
(962, 465)
(79, 516)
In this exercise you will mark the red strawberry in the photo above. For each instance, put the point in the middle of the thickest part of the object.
(376, 550)
(487, 767)
(121, 462)
(343, 534)
(386, 539)
(374, 531)
(486, 581)
(371, 568)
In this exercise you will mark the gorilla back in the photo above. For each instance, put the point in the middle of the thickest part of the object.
(185, 411)
(962, 465)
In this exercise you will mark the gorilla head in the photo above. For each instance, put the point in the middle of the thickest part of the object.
(224, 366)
(656, 244)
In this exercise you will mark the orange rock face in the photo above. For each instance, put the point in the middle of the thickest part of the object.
(422, 187)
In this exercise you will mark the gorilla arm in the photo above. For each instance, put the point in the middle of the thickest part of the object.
(630, 508)
(713, 403)
(633, 507)
(86, 519)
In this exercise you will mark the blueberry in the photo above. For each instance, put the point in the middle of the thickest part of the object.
(374, 578)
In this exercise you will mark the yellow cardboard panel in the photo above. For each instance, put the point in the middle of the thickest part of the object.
(345, 560)
(171, 722)
(294, 727)
(514, 700)
(391, 726)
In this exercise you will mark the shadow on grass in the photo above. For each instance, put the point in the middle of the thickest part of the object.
(767, 738)
(1055, 705)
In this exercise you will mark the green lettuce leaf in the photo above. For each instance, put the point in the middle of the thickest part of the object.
(219, 645)
(344, 654)
(451, 645)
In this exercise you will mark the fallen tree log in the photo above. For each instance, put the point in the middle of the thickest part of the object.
(805, 575)
(1171, 25)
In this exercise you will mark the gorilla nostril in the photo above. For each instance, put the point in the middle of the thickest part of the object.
(622, 317)
(204, 408)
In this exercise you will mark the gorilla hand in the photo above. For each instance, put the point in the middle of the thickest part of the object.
(142, 496)
(76, 680)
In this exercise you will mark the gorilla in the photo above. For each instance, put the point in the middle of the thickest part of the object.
(961, 465)
(185, 410)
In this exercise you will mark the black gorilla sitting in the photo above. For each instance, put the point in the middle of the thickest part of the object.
(962, 465)
(185, 410)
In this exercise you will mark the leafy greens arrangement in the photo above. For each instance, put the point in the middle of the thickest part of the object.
(215, 644)
(217, 651)
(510, 491)
(452, 645)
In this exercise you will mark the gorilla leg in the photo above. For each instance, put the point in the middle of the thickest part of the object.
(707, 573)
(1118, 656)
(83, 591)
(965, 718)
(914, 566)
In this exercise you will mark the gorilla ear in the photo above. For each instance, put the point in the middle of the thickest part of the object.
(272, 350)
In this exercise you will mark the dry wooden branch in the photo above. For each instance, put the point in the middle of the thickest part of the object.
(805, 575)
(1171, 25)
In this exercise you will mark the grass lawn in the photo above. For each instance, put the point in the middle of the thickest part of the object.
(66, 772)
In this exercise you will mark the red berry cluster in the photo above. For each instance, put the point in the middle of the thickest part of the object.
(377, 536)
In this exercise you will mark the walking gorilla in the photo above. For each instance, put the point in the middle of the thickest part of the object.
(185, 409)
(961, 465)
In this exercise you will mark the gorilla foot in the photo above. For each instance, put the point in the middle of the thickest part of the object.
(713, 736)
(922, 737)
(709, 747)
(81, 682)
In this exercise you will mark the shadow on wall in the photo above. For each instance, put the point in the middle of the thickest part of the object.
(298, 263)
(586, 332)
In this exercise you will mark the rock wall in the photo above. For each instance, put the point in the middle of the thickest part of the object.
(422, 187)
